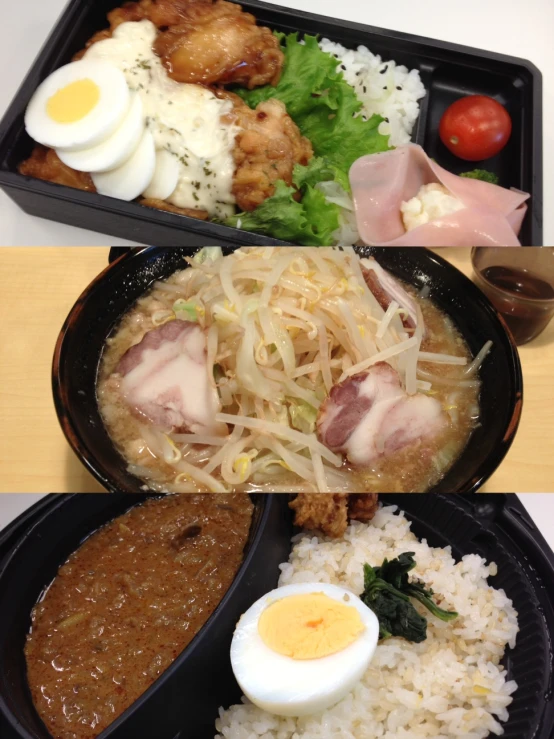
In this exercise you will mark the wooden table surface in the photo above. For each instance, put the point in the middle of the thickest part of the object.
(38, 286)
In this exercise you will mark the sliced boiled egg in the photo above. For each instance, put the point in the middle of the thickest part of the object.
(166, 176)
(78, 106)
(116, 149)
(303, 647)
(132, 178)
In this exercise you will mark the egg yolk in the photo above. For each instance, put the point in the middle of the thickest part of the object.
(309, 626)
(74, 101)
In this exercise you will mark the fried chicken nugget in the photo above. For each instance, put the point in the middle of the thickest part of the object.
(267, 147)
(330, 513)
(363, 506)
(44, 164)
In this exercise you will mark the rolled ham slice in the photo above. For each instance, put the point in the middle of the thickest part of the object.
(492, 215)
(369, 416)
(165, 380)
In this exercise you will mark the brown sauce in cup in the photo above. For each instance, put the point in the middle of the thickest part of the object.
(126, 604)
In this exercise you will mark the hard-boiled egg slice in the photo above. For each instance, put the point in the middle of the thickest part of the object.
(133, 177)
(166, 176)
(113, 152)
(303, 647)
(78, 106)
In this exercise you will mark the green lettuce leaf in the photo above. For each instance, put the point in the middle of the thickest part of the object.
(310, 222)
(319, 169)
(321, 104)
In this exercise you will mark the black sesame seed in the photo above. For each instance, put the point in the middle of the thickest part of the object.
(385, 88)
(398, 87)
(387, 120)
(382, 71)
(364, 88)
(343, 67)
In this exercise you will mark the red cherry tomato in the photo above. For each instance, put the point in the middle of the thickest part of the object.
(475, 128)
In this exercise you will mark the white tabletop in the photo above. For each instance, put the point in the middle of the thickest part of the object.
(539, 505)
(505, 26)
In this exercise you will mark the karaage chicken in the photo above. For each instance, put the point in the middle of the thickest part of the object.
(330, 513)
(44, 164)
(266, 150)
(212, 43)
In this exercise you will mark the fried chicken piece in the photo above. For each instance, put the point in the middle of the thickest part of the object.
(330, 514)
(44, 164)
(201, 215)
(266, 149)
(327, 513)
(362, 506)
(217, 43)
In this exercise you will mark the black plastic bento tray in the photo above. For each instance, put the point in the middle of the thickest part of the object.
(497, 527)
(447, 70)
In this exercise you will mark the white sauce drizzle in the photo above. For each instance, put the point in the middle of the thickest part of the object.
(184, 119)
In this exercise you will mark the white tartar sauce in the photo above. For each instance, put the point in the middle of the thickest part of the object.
(184, 119)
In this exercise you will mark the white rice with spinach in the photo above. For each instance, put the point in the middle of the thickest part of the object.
(386, 88)
(451, 685)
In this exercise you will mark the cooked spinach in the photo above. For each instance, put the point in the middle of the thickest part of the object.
(387, 591)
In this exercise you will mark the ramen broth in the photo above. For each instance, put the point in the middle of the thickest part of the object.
(412, 469)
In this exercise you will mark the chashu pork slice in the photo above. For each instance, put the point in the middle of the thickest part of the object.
(386, 288)
(369, 416)
(166, 380)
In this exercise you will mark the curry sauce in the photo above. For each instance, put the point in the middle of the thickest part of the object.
(126, 604)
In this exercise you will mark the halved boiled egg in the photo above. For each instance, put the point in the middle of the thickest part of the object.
(166, 176)
(116, 149)
(78, 106)
(303, 647)
(129, 180)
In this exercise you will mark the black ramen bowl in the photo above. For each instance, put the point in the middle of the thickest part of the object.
(183, 703)
(191, 690)
(99, 309)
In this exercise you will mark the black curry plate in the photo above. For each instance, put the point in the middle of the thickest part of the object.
(99, 309)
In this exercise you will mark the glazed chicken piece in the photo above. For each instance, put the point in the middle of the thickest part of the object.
(369, 415)
(44, 164)
(212, 43)
(330, 514)
(266, 150)
(165, 380)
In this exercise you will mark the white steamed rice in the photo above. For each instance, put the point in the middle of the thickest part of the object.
(451, 685)
(385, 88)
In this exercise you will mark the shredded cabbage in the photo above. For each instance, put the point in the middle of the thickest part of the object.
(302, 415)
